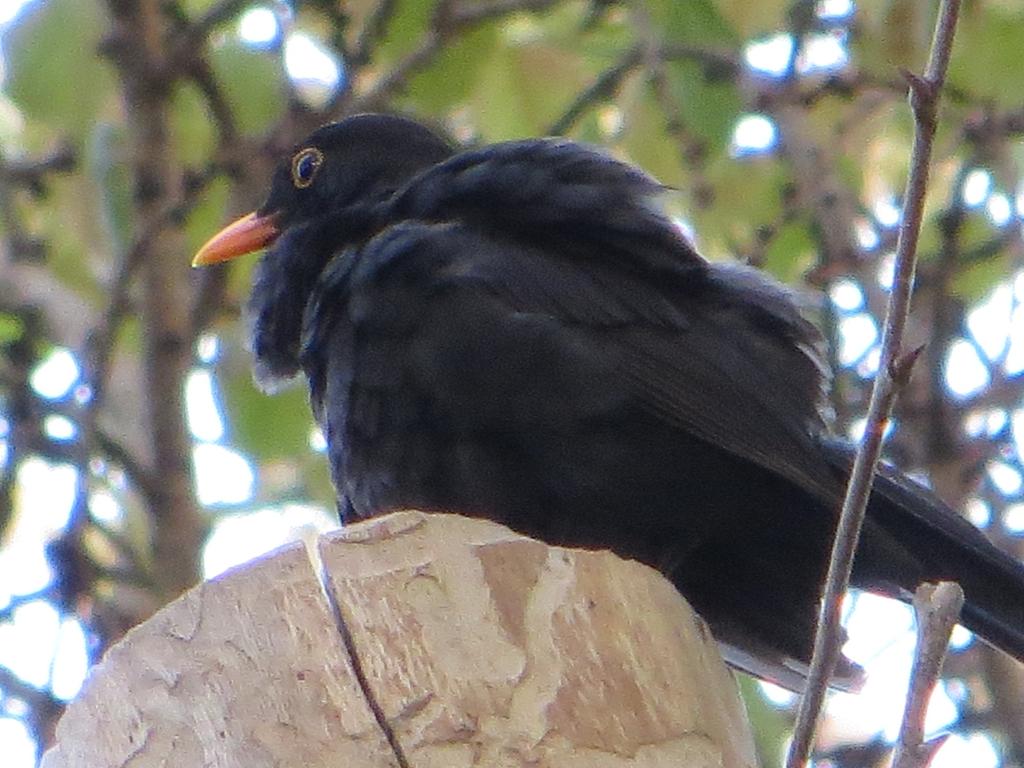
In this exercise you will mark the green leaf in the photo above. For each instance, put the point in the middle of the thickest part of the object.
(265, 426)
(751, 20)
(523, 87)
(770, 725)
(708, 110)
(983, 264)
(11, 328)
(72, 229)
(747, 194)
(107, 165)
(449, 80)
(253, 82)
(694, 21)
(791, 252)
(976, 231)
(603, 44)
(893, 34)
(974, 281)
(53, 71)
(646, 141)
(194, 133)
(408, 25)
(208, 216)
(987, 57)
(316, 477)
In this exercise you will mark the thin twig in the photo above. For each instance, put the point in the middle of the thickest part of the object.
(478, 12)
(395, 79)
(610, 80)
(602, 89)
(894, 368)
(371, 34)
(99, 345)
(32, 173)
(202, 75)
(146, 481)
(215, 16)
(39, 700)
(692, 150)
(449, 20)
(938, 608)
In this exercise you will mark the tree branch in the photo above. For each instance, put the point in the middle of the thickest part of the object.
(143, 42)
(371, 34)
(603, 88)
(216, 15)
(609, 81)
(44, 707)
(31, 175)
(937, 607)
(893, 370)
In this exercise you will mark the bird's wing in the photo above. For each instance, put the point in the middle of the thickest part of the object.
(715, 351)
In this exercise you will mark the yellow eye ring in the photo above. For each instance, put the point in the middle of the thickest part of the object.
(305, 164)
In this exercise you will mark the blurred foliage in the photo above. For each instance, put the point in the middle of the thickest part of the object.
(62, 85)
(662, 83)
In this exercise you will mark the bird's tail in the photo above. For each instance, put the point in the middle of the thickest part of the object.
(911, 536)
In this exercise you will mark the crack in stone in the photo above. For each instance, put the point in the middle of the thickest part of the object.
(320, 570)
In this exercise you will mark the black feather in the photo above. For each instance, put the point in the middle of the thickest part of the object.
(517, 332)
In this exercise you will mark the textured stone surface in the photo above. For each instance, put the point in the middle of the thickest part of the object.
(477, 647)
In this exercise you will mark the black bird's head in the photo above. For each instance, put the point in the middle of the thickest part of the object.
(321, 196)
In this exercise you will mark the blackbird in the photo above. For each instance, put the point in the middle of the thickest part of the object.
(517, 332)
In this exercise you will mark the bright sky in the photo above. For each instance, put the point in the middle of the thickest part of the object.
(40, 646)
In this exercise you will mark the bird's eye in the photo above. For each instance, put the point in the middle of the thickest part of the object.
(305, 164)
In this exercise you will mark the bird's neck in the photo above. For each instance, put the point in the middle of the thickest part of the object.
(285, 279)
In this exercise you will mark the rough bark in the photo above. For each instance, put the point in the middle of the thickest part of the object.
(139, 46)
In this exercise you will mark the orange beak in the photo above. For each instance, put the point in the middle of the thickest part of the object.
(247, 234)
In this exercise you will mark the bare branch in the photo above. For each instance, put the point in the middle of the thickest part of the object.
(371, 34)
(144, 40)
(216, 15)
(602, 89)
(394, 80)
(44, 707)
(609, 81)
(938, 608)
(478, 12)
(96, 355)
(202, 75)
(29, 174)
(691, 148)
(924, 97)
(32, 173)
